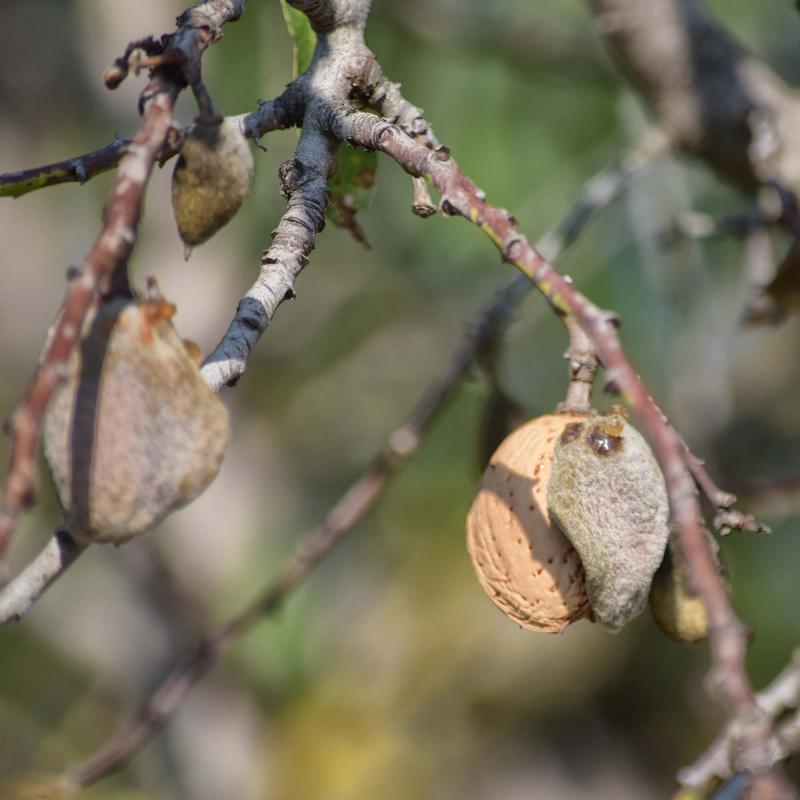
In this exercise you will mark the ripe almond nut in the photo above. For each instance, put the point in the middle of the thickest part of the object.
(134, 432)
(524, 563)
(211, 179)
(608, 496)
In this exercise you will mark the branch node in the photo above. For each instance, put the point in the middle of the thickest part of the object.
(423, 206)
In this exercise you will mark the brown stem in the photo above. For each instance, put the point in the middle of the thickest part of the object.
(80, 169)
(109, 253)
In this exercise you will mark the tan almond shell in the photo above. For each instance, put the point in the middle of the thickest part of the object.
(523, 561)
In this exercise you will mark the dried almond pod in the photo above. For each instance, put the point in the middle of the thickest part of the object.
(522, 560)
(212, 178)
(134, 432)
(676, 609)
(608, 496)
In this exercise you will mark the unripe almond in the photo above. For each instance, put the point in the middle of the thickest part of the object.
(134, 432)
(212, 178)
(523, 561)
(676, 609)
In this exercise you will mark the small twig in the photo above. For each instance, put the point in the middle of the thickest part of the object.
(423, 206)
(726, 519)
(358, 499)
(58, 554)
(459, 196)
(693, 225)
(304, 185)
(581, 357)
(271, 115)
(80, 169)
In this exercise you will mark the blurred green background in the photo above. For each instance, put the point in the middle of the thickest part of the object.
(389, 674)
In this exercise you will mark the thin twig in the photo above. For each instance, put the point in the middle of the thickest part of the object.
(271, 115)
(460, 196)
(361, 495)
(20, 594)
(80, 169)
(581, 357)
(109, 253)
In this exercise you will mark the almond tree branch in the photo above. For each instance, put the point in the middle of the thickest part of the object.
(271, 115)
(80, 169)
(18, 596)
(459, 196)
(359, 498)
(303, 179)
(109, 253)
(199, 27)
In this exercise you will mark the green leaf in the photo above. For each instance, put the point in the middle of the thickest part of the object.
(352, 189)
(303, 36)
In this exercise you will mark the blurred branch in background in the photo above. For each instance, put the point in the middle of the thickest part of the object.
(719, 103)
(777, 700)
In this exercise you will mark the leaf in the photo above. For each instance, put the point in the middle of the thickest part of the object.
(352, 189)
(303, 36)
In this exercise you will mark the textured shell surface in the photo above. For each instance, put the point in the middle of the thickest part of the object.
(134, 432)
(608, 496)
(522, 560)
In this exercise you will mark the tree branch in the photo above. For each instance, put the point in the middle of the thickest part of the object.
(19, 595)
(17, 598)
(80, 169)
(303, 179)
(782, 695)
(271, 115)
